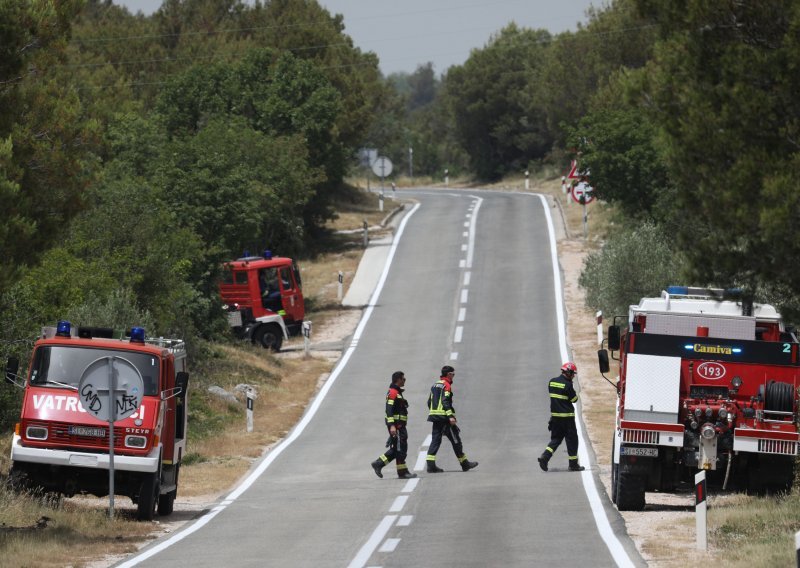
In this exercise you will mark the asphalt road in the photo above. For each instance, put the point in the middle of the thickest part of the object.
(469, 282)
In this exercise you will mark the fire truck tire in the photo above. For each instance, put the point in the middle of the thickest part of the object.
(148, 497)
(614, 473)
(630, 491)
(269, 336)
(166, 504)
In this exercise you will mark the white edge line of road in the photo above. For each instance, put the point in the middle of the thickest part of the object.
(301, 426)
(615, 547)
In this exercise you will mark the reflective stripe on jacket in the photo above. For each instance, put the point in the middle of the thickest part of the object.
(396, 406)
(562, 397)
(440, 401)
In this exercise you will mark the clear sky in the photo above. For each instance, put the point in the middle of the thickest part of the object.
(408, 33)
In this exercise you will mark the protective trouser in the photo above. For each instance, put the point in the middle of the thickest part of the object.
(398, 448)
(560, 429)
(453, 434)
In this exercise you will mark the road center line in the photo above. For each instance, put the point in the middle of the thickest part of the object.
(398, 504)
(377, 537)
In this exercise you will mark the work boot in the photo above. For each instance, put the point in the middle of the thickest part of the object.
(576, 467)
(543, 459)
(433, 468)
(467, 465)
(377, 465)
(405, 474)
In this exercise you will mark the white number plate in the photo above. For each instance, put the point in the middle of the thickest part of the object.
(642, 452)
(87, 431)
(235, 319)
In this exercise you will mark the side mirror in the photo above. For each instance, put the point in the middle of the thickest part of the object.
(12, 367)
(602, 357)
(613, 337)
(182, 382)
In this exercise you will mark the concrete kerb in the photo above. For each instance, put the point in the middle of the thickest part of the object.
(367, 274)
(371, 265)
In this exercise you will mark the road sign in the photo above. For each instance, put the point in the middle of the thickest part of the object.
(382, 166)
(574, 173)
(582, 190)
(111, 388)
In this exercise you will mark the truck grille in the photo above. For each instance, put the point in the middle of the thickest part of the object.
(630, 436)
(783, 447)
(58, 434)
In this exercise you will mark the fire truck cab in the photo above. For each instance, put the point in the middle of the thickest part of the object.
(58, 447)
(264, 298)
(705, 383)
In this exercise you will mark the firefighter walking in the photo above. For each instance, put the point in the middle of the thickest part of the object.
(396, 420)
(562, 417)
(443, 416)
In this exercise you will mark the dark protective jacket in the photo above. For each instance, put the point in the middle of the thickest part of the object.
(396, 406)
(562, 397)
(440, 401)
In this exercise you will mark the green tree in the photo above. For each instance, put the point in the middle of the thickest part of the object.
(633, 264)
(497, 120)
(618, 148)
(46, 139)
(722, 89)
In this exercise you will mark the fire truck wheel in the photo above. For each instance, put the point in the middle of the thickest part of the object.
(269, 337)
(614, 473)
(148, 497)
(166, 504)
(630, 491)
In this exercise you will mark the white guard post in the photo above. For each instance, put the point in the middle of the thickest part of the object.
(700, 510)
(797, 547)
(251, 396)
(599, 327)
(527, 180)
(307, 335)
(341, 281)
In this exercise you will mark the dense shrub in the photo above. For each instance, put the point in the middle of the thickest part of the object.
(633, 264)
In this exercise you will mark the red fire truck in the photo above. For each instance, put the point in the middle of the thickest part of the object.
(264, 298)
(59, 447)
(705, 383)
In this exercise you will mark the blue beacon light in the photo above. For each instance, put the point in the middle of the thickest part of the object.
(137, 335)
(64, 328)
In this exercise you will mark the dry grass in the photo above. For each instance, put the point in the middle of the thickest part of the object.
(73, 531)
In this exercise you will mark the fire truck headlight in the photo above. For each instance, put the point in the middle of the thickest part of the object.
(736, 382)
(707, 432)
(723, 414)
(135, 441)
(36, 433)
(709, 412)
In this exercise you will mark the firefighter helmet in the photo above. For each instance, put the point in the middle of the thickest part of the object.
(569, 367)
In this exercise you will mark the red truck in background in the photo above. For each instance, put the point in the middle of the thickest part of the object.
(705, 383)
(264, 298)
(59, 447)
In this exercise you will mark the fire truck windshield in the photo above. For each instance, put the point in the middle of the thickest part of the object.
(62, 367)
